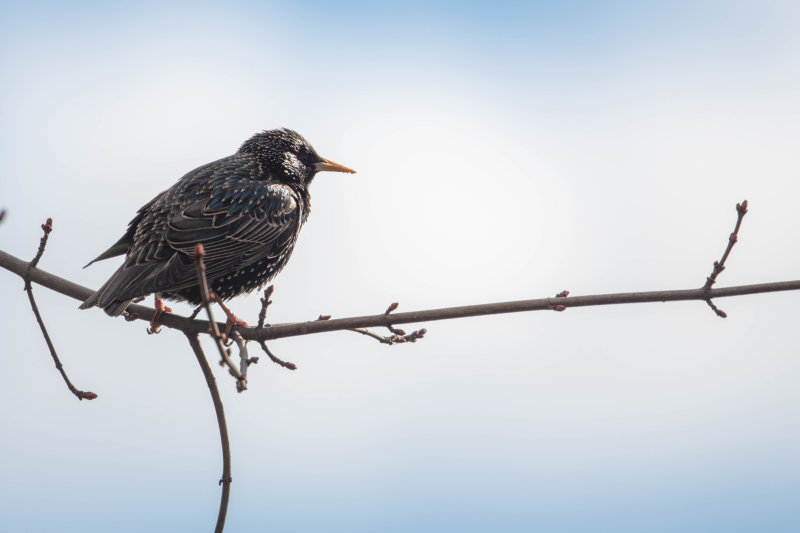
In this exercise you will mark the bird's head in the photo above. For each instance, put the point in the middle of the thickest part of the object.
(288, 157)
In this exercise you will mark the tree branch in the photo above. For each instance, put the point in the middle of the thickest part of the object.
(294, 329)
(194, 342)
(719, 266)
(47, 227)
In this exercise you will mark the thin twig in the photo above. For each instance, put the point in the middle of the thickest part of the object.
(274, 358)
(47, 227)
(265, 301)
(397, 333)
(241, 382)
(719, 266)
(398, 336)
(394, 338)
(262, 316)
(226, 479)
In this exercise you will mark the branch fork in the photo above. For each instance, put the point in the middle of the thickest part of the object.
(398, 336)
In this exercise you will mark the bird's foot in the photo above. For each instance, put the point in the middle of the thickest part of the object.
(155, 325)
(232, 320)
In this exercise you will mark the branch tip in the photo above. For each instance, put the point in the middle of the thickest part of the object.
(742, 208)
(275, 359)
(265, 303)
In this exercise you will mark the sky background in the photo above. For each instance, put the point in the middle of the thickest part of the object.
(504, 152)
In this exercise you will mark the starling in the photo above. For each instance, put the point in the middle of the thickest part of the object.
(246, 210)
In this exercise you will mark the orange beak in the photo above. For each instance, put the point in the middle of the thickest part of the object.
(330, 166)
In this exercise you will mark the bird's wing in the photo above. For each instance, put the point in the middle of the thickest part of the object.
(238, 226)
(238, 218)
(257, 221)
(238, 222)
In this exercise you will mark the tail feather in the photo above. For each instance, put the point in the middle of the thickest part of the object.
(101, 298)
(133, 281)
(118, 248)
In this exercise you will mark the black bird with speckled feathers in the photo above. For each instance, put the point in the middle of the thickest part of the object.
(246, 210)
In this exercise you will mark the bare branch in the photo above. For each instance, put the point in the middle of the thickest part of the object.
(226, 479)
(274, 358)
(719, 266)
(279, 331)
(395, 338)
(47, 227)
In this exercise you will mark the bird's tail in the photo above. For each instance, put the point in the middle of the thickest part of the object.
(103, 299)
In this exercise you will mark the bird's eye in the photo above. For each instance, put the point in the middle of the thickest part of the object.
(307, 156)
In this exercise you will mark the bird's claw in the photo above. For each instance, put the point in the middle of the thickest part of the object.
(155, 325)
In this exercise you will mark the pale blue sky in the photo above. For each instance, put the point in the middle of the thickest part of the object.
(504, 151)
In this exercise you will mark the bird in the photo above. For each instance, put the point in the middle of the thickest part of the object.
(246, 210)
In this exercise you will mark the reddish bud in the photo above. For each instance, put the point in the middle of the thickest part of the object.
(562, 294)
(391, 308)
(559, 308)
(742, 208)
(291, 366)
(88, 395)
(199, 252)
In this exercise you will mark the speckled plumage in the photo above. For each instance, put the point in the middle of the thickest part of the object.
(246, 210)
